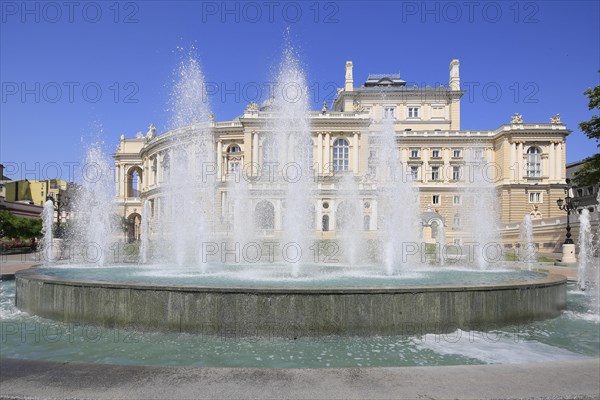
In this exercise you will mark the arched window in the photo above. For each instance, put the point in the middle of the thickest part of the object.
(133, 227)
(325, 223)
(435, 227)
(264, 215)
(341, 150)
(134, 182)
(534, 162)
(234, 148)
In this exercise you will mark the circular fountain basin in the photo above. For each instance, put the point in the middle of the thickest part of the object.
(267, 301)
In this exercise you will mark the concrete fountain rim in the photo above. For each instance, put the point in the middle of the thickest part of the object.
(545, 280)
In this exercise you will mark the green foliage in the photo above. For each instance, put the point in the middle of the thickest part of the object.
(589, 174)
(15, 227)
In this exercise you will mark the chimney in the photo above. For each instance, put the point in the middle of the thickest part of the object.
(454, 75)
(349, 85)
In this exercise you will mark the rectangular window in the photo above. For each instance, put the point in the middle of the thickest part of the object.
(456, 199)
(435, 199)
(435, 153)
(456, 220)
(414, 173)
(413, 112)
(455, 173)
(435, 173)
(234, 167)
(388, 112)
(456, 153)
(590, 191)
(414, 153)
(536, 197)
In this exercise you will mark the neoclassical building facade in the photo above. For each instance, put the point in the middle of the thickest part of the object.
(527, 159)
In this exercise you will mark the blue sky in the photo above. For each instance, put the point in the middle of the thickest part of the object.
(72, 74)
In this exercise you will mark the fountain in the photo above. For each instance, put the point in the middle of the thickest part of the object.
(145, 233)
(482, 206)
(528, 249)
(399, 246)
(586, 245)
(91, 238)
(176, 288)
(351, 238)
(441, 242)
(47, 225)
(189, 170)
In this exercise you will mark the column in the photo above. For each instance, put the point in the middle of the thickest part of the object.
(278, 215)
(255, 167)
(159, 167)
(355, 155)
(219, 160)
(513, 160)
(560, 164)
(117, 180)
(520, 166)
(123, 181)
(223, 204)
(319, 153)
(146, 173)
(425, 159)
(373, 222)
(446, 168)
(326, 161)
(551, 162)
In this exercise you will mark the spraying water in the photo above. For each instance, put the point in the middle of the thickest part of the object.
(47, 222)
(482, 217)
(145, 233)
(348, 222)
(528, 250)
(441, 240)
(95, 225)
(239, 211)
(399, 224)
(292, 140)
(189, 170)
(584, 270)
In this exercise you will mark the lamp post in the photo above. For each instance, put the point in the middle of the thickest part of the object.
(568, 204)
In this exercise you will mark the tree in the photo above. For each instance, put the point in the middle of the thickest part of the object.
(589, 174)
(14, 227)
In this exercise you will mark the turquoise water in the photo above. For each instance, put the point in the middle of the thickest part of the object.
(321, 276)
(573, 335)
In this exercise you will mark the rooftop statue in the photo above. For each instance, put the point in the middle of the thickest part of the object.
(555, 119)
(151, 132)
(252, 107)
(516, 119)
